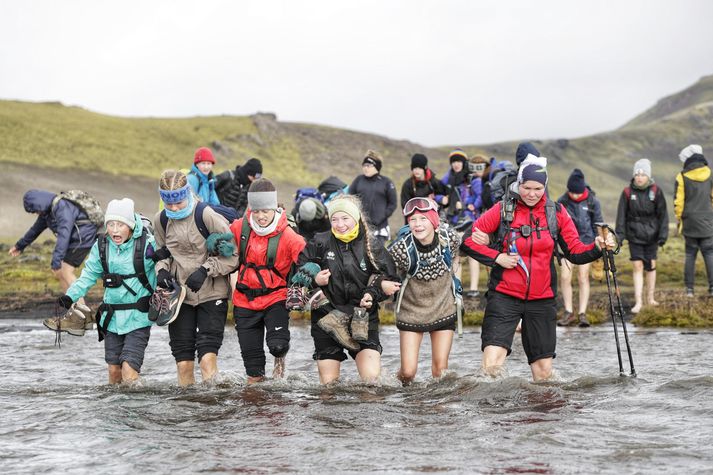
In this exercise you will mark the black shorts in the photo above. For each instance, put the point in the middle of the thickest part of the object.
(75, 257)
(130, 347)
(327, 348)
(539, 325)
(198, 330)
(643, 252)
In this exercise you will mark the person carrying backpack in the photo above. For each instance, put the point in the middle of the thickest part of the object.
(122, 259)
(422, 182)
(232, 186)
(425, 257)
(693, 206)
(311, 217)
(523, 282)
(201, 176)
(76, 230)
(183, 228)
(377, 194)
(268, 248)
(642, 219)
(356, 273)
(584, 209)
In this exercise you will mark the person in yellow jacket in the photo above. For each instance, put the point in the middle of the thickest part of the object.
(693, 206)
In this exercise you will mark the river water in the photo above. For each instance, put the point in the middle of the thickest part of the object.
(58, 415)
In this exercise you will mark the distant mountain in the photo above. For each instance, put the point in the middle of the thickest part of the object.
(39, 137)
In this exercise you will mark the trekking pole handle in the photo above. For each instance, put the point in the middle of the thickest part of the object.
(603, 230)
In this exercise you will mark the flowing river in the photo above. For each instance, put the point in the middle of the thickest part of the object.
(57, 415)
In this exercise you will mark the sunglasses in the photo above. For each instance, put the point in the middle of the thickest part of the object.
(419, 204)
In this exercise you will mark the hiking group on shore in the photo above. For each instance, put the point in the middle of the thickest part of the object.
(335, 255)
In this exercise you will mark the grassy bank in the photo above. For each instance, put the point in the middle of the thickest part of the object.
(27, 281)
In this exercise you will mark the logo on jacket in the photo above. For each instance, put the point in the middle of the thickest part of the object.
(362, 265)
(330, 255)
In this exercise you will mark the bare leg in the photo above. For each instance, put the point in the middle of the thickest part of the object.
(369, 365)
(209, 366)
(638, 277)
(493, 360)
(474, 267)
(441, 342)
(566, 284)
(410, 343)
(255, 379)
(651, 285)
(128, 374)
(186, 375)
(541, 369)
(328, 370)
(583, 279)
(114, 371)
(66, 277)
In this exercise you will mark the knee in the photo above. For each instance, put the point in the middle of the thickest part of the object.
(407, 375)
(638, 266)
(437, 369)
(279, 350)
(114, 374)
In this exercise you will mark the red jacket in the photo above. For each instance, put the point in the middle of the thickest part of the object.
(536, 251)
(288, 249)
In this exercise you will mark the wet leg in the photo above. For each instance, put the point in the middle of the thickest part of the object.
(410, 343)
(638, 277)
(441, 342)
(185, 370)
(328, 370)
(493, 360)
(114, 371)
(541, 369)
(369, 365)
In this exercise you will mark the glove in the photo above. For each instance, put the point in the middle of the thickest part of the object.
(305, 274)
(164, 279)
(65, 301)
(158, 254)
(195, 280)
(220, 244)
(661, 242)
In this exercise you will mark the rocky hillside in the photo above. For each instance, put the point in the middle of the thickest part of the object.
(49, 145)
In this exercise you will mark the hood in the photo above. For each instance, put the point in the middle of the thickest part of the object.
(201, 175)
(697, 173)
(38, 201)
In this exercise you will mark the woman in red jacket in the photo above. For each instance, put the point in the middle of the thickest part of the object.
(268, 248)
(523, 282)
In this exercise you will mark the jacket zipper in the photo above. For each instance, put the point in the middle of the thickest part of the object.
(529, 259)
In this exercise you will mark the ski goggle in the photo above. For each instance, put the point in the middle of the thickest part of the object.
(419, 204)
(477, 167)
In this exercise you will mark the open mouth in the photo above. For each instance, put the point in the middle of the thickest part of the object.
(117, 238)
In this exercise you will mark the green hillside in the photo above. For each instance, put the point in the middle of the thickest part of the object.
(56, 136)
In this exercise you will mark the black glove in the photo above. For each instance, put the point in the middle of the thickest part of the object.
(65, 301)
(195, 280)
(160, 254)
(661, 242)
(164, 279)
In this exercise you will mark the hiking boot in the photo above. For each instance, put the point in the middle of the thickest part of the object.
(360, 324)
(336, 324)
(87, 314)
(296, 298)
(165, 304)
(567, 319)
(472, 294)
(583, 322)
(689, 292)
(72, 322)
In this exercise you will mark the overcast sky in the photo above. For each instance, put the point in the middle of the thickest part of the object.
(434, 72)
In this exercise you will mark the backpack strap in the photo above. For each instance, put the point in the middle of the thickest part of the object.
(507, 215)
(551, 209)
(101, 245)
(139, 268)
(244, 238)
(198, 216)
(163, 218)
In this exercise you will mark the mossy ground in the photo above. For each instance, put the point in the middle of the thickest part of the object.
(27, 281)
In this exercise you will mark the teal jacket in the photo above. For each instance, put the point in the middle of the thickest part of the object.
(203, 186)
(121, 261)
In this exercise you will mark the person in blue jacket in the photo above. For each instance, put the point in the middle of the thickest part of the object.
(123, 325)
(75, 233)
(201, 176)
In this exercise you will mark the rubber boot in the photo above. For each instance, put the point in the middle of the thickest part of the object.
(336, 324)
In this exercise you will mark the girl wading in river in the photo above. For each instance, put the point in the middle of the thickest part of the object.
(426, 257)
(356, 274)
(198, 329)
(523, 282)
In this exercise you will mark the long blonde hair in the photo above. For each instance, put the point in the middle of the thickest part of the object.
(368, 232)
(172, 180)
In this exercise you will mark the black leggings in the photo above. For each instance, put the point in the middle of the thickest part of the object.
(198, 329)
(252, 326)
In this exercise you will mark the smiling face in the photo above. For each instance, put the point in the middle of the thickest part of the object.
(457, 166)
(342, 223)
(205, 167)
(118, 232)
(531, 192)
(263, 217)
(418, 173)
(421, 228)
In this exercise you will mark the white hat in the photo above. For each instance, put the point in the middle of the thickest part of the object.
(121, 210)
(690, 151)
(642, 166)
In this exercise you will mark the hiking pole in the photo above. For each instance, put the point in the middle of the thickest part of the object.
(609, 255)
(603, 231)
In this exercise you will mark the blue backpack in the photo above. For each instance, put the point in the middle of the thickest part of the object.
(225, 211)
(308, 192)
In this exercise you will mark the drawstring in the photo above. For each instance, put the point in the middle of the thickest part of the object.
(58, 332)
